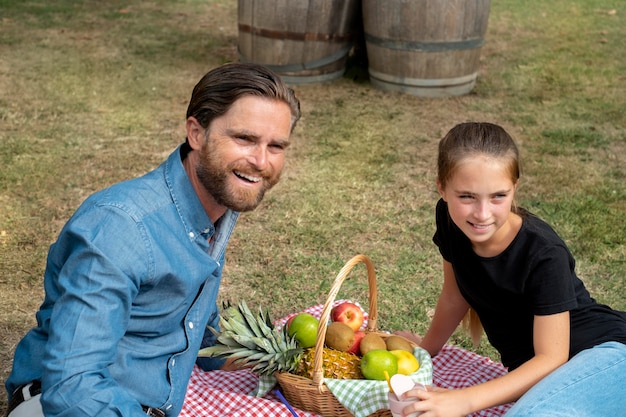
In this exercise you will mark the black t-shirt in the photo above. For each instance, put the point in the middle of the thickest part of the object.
(534, 275)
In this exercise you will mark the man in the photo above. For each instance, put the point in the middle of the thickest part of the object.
(132, 281)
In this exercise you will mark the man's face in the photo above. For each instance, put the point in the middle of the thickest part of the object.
(244, 151)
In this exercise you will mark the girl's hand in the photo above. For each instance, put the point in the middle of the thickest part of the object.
(413, 337)
(439, 402)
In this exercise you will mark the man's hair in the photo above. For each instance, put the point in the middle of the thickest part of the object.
(216, 92)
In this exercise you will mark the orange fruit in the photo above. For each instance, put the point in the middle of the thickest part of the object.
(375, 362)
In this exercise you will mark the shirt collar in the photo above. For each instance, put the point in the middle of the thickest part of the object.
(197, 222)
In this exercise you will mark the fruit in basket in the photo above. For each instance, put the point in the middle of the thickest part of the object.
(335, 364)
(395, 342)
(304, 328)
(339, 336)
(372, 341)
(348, 313)
(356, 345)
(375, 362)
(253, 341)
(407, 362)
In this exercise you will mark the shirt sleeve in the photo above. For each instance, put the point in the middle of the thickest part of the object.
(552, 286)
(443, 223)
(98, 277)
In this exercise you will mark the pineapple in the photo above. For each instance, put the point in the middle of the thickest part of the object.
(336, 364)
(253, 340)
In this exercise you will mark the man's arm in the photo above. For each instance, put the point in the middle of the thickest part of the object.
(96, 282)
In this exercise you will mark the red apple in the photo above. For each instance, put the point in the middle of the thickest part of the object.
(348, 313)
(356, 346)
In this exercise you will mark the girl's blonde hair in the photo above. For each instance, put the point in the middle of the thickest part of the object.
(472, 139)
(472, 326)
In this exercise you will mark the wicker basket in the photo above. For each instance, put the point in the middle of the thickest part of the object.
(312, 395)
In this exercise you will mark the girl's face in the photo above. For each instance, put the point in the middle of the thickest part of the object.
(480, 196)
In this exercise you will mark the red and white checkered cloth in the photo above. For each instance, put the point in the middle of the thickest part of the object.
(456, 368)
(222, 394)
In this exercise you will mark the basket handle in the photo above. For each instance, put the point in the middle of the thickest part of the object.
(372, 321)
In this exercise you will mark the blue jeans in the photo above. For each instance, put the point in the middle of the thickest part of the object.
(592, 383)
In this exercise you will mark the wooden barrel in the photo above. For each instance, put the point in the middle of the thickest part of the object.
(304, 41)
(429, 48)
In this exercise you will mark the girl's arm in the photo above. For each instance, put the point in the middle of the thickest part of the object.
(551, 342)
(450, 310)
(551, 335)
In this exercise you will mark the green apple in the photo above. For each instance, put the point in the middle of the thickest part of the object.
(304, 328)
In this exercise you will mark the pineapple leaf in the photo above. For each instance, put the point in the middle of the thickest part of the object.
(237, 327)
(260, 356)
(252, 322)
(266, 330)
(251, 339)
(213, 351)
(290, 341)
(263, 343)
(214, 330)
(248, 342)
(227, 339)
(267, 319)
(264, 369)
(231, 312)
(276, 342)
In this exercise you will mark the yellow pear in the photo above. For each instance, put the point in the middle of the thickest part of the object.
(407, 362)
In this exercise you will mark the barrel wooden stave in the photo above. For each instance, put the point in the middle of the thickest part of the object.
(304, 41)
(425, 47)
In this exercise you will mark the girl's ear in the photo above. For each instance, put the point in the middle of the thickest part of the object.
(515, 185)
(195, 133)
(441, 190)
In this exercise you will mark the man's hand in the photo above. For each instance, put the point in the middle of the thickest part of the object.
(230, 365)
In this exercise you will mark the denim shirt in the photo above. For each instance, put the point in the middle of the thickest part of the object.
(131, 284)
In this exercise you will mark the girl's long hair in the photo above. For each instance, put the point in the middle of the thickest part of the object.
(472, 325)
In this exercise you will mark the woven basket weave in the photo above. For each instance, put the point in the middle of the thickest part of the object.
(312, 395)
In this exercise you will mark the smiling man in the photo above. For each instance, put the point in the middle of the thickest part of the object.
(132, 281)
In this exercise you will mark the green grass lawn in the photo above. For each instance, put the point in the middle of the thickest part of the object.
(92, 93)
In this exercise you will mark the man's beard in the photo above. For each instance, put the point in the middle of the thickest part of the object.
(215, 180)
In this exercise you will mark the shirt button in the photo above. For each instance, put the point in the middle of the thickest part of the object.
(173, 362)
(191, 235)
(191, 324)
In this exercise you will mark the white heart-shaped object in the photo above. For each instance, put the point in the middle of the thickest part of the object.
(400, 384)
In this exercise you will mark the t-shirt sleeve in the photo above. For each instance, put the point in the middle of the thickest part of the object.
(443, 223)
(552, 284)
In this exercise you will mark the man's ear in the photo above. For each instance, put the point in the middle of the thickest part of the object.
(195, 133)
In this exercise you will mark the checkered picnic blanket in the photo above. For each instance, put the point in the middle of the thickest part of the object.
(222, 394)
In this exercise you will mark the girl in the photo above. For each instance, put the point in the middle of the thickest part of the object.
(566, 354)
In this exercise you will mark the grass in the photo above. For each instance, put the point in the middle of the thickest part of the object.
(92, 93)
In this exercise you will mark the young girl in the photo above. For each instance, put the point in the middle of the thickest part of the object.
(565, 353)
